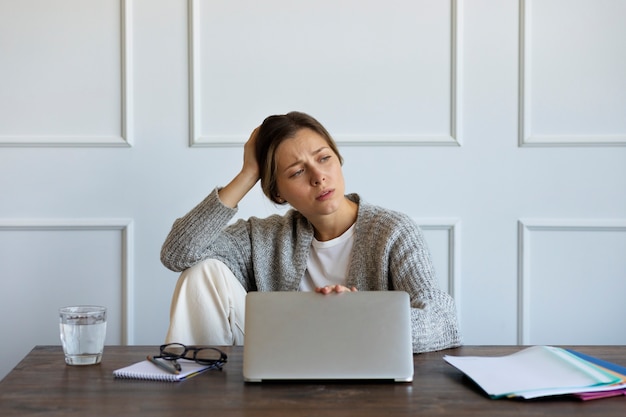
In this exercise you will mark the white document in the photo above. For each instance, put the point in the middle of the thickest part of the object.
(532, 369)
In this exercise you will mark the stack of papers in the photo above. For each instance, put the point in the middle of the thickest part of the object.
(541, 371)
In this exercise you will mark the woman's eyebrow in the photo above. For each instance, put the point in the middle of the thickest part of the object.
(299, 161)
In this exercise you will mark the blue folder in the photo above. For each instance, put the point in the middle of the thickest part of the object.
(605, 364)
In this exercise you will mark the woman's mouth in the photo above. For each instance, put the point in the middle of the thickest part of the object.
(325, 195)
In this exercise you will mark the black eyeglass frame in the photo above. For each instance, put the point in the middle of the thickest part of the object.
(215, 363)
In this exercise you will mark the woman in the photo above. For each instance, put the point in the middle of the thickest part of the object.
(328, 242)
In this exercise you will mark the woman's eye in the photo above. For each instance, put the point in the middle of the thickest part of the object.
(297, 173)
(325, 158)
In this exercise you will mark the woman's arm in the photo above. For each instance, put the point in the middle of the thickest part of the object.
(433, 311)
(192, 236)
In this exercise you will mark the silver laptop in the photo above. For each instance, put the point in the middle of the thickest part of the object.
(362, 335)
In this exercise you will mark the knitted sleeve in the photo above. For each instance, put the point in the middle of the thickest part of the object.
(200, 235)
(391, 253)
(433, 312)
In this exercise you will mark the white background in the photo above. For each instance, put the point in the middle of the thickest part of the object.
(498, 125)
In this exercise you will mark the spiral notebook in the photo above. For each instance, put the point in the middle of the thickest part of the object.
(149, 371)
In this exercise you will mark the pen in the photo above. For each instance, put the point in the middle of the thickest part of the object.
(172, 368)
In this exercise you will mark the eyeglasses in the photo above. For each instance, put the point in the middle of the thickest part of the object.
(211, 356)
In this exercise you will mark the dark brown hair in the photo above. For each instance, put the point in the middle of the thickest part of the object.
(272, 132)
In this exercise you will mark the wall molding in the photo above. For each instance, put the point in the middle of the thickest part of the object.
(125, 139)
(525, 229)
(125, 226)
(451, 226)
(526, 137)
(453, 139)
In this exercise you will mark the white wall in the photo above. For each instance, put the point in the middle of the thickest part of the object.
(499, 125)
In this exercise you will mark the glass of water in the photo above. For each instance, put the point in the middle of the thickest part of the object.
(83, 329)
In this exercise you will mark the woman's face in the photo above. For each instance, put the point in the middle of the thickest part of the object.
(309, 175)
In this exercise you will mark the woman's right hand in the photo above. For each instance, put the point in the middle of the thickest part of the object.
(250, 163)
(232, 194)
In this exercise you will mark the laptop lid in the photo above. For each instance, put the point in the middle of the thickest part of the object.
(309, 336)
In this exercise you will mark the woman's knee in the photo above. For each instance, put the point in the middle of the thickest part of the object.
(209, 273)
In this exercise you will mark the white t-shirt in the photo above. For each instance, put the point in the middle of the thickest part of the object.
(328, 262)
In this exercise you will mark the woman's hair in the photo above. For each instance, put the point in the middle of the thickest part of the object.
(272, 132)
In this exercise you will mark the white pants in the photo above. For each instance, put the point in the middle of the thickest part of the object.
(208, 307)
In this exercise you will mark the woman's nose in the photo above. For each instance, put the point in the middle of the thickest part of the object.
(316, 177)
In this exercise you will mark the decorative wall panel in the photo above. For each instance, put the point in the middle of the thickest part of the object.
(63, 262)
(572, 66)
(571, 282)
(65, 76)
(372, 72)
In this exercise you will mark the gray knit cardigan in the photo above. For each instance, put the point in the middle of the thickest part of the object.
(270, 254)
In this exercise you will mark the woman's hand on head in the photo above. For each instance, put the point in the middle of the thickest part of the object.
(334, 288)
(243, 182)
(250, 163)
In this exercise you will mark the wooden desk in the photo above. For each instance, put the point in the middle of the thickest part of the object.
(42, 384)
